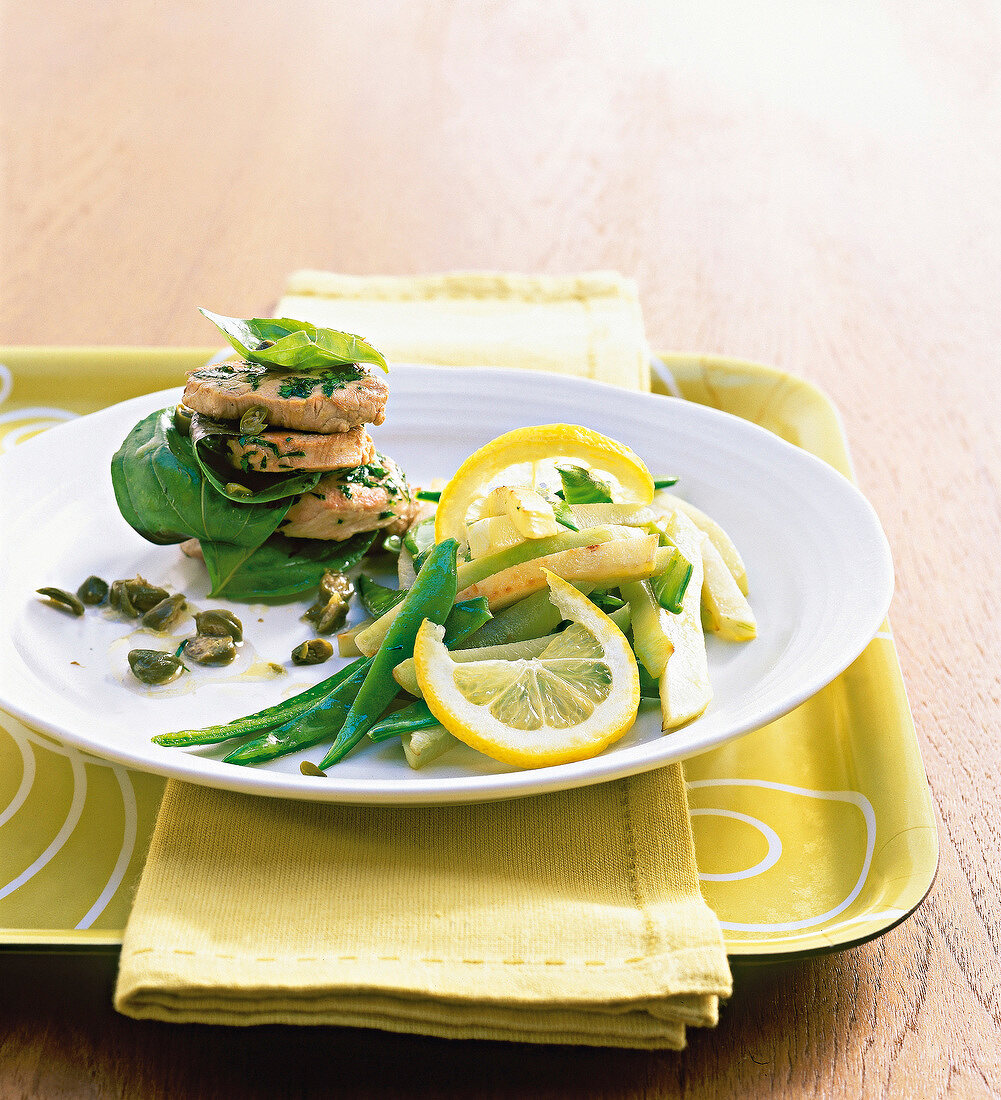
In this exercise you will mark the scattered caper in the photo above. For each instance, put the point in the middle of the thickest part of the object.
(165, 613)
(59, 598)
(254, 420)
(328, 615)
(136, 596)
(236, 490)
(209, 649)
(313, 652)
(219, 623)
(331, 608)
(152, 666)
(93, 591)
(144, 596)
(182, 419)
(120, 600)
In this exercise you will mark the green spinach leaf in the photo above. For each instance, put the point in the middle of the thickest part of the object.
(208, 437)
(162, 492)
(281, 566)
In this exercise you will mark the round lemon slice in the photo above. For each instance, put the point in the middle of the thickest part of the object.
(574, 699)
(527, 457)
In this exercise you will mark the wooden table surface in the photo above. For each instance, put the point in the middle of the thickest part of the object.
(810, 185)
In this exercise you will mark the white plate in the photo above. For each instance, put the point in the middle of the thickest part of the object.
(818, 563)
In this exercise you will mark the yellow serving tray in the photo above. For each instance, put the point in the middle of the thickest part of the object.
(813, 833)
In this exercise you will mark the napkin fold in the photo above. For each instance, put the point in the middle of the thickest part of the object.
(572, 917)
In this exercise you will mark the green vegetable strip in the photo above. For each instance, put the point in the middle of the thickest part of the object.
(621, 616)
(376, 598)
(669, 586)
(417, 716)
(262, 720)
(432, 495)
(470, 572)
(664, 482)
(649, 687)
(430, 597)
(581, 487)
(315, 724)
(606, 601)
(563, 515)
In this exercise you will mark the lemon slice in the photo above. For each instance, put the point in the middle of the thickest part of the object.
(576, 697)
(527, 457)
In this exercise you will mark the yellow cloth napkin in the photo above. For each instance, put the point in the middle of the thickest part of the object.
(572, 917)
(588, 325)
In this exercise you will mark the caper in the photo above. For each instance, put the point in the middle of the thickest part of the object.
(182, 419)
(93, 591)
(328, 615)
(152, 666)
(254, 420)
(121, 601)
(234, 489)
(209, 649)
(219, 623)
(313, 652)
(331, 608)
(136, 596)
(59, 598)
(143, 595)
(165, 613)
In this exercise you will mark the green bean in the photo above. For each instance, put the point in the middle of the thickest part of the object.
(430, 597)
(376, 598)
(465, 618)
(261, 720)
(532, 617)
(311, 726)
(416, 716)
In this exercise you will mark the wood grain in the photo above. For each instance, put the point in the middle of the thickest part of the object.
(814, 186)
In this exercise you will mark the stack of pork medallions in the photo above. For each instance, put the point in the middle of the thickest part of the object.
(281, 420)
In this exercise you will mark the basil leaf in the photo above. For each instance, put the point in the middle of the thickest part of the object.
(164, 495)
(208, 436)
(582, 487)
(284, 342)
(281, 566)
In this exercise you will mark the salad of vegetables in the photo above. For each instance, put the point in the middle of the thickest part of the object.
(545, 590)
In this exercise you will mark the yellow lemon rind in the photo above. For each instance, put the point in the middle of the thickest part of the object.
(570, 442)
